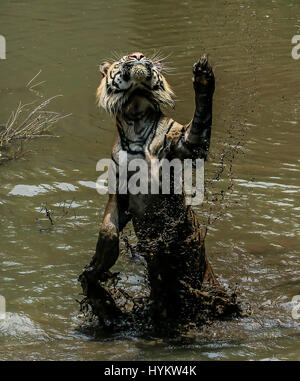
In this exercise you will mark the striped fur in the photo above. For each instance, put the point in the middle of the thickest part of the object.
(123, 77)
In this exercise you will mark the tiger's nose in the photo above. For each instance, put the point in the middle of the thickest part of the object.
(137, 55)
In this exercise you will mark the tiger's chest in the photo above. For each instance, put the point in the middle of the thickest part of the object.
(139, 171)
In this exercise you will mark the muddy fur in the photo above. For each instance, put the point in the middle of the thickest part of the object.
(181, 296)
(183, 289)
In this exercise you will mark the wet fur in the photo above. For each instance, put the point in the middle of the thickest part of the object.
(167, 229)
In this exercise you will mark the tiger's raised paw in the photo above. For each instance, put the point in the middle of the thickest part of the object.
(204, 78)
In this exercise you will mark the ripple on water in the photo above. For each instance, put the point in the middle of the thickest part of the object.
(20, 328)
(28, 190)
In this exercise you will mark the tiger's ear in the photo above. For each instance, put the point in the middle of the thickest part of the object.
(103, 68)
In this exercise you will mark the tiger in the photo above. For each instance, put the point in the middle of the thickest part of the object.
(134, 91)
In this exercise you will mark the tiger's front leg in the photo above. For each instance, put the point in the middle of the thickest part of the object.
(204, 86)
(195, 139)
(107, 249)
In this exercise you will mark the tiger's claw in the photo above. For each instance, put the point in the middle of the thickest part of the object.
(203, 75)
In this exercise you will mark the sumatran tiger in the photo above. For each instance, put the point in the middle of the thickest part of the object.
(133, 90)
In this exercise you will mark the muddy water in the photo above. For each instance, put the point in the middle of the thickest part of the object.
(255, 245)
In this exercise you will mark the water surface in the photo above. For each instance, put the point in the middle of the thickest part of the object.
(255, 245)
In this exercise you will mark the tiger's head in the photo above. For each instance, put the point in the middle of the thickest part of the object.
(131, 73)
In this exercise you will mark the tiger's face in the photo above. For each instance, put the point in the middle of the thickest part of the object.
(132, 72)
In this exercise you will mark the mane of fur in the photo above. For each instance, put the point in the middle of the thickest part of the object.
(114, 102)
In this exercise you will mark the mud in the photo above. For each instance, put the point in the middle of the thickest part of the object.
(183, 293)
